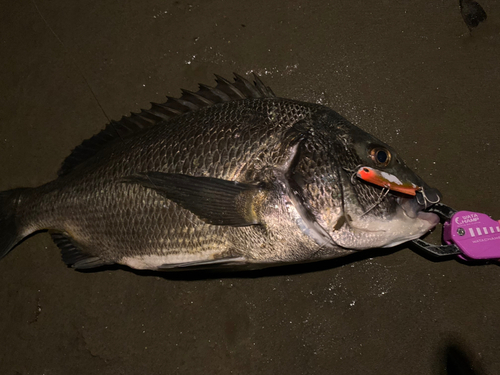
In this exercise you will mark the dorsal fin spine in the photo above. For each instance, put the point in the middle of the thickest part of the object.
(186, 103)
(200, 98)
(206, 96)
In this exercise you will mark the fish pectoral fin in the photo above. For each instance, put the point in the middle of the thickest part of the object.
(215, 201)
(73, 256)
(203, 264)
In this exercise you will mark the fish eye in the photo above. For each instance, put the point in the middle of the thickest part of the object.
(380, 156)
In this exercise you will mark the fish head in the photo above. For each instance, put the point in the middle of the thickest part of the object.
(357, 214)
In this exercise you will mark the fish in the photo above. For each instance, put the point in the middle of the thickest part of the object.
(231, 177)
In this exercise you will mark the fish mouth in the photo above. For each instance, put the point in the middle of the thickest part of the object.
(414, 207)
(430, 217)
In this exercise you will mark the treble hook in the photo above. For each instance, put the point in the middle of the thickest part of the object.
(353, 173)
(385, 191)
(426, 199)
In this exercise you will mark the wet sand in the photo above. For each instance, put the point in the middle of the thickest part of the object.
(410, 73)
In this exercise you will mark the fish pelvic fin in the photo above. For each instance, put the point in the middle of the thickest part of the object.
(204, 264)
(10, 231)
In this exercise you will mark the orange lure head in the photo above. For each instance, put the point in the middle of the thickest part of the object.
(387, 180)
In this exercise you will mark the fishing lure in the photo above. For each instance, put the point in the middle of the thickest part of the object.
(386, 180)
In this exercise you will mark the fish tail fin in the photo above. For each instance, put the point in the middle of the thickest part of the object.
(10, 232)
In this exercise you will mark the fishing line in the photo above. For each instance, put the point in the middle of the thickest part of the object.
(80, 71)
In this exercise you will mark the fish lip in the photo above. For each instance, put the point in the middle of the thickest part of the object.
(430, 217)
(415, 210)
(410, 206)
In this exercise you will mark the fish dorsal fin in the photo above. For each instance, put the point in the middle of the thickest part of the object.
(206, 96)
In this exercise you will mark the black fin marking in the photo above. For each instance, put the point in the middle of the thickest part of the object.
(214, 93)
(10, 233)
(229, 88)
(203, 264)
(206, 96)
(73, 256)
(251, 90)
(265, 90)
(213, 200)
(198, 99)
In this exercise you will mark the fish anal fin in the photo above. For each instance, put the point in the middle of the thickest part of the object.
(206, 96)
(72, 255)
(213, 200)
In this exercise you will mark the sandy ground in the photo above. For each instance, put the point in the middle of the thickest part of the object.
(408, 72)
